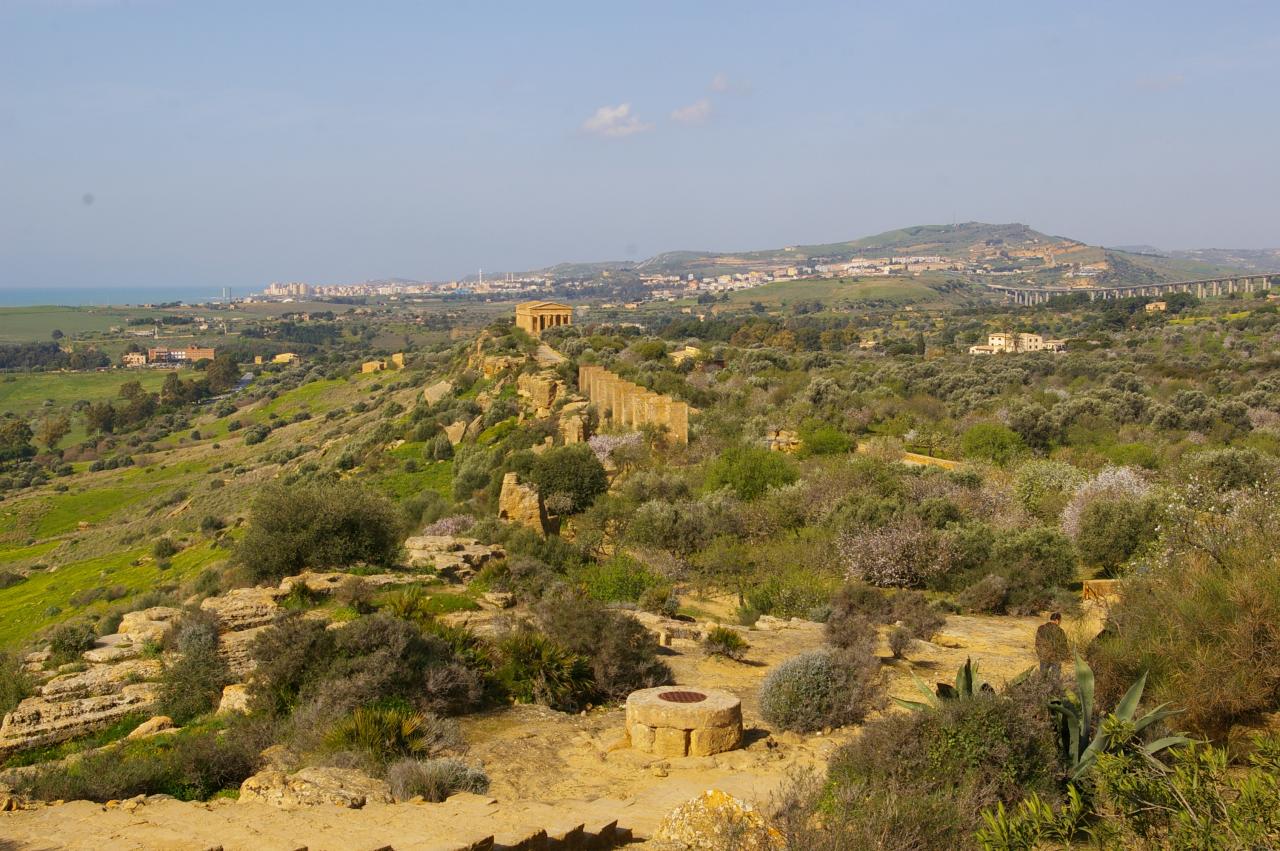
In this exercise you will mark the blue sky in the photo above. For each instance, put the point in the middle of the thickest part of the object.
(162, 142)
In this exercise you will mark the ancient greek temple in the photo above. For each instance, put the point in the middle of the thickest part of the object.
(537, 316)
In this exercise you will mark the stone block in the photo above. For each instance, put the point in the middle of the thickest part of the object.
(668, 741)
(705, 741)
(641, 737)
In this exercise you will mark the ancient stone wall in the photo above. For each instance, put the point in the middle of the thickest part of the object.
(623, 403)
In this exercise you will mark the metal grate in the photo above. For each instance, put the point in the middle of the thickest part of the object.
(683, 696)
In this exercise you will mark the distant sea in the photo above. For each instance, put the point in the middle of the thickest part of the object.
(76, 296)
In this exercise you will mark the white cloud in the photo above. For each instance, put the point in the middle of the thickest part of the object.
(720, 82)
(695, 113)
(615, 122)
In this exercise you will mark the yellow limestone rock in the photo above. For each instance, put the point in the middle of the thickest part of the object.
(713, 821)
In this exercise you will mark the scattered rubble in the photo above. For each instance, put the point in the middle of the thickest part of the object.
(453, 558)
(311, 787)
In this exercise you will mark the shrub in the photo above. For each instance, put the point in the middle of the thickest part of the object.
(900, 641)
(825, 440)
(164, 548)
(317, 526)
(192, 764)
(572, 475)
(620, 579)
(534, 669)
(725, 643)
(1202, 623)
(1111, 531)
(623, 655)
(15, 683)
(902, 554)
(919, 781)
(191, 684)
(356, 593)
(857, 608)
(1043, 487)
(660, 600)
(452, 689)
(289, 656)
(72, 638)
(749, 471)
(988, 595)
(990, 442)
(435, 779)
(254, 434)
(1111, 483)
(210, 524)
(823, 688)
(1230, 468)
(382, 734)
(1037, 562)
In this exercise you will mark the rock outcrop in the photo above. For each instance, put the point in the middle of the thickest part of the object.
(713, 821)
(519, 503)
(437, 391)
(541, 389)
(574, 423)
(310, 787)
(454, 558)
(243, 608)
(782, 440)
(40, 721)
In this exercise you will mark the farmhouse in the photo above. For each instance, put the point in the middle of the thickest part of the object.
(191, 354)
(1001, 342)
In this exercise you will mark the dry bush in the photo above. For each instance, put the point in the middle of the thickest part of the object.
(900, 641)
(988, 595)
(918, 781)
(823, 688)
(903, 554)
(434, 779)
(1203, 621)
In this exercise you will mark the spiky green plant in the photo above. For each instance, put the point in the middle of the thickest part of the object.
(1082, 740)
(409, 604)
(967, 686)
(387, 733)
(535, 669)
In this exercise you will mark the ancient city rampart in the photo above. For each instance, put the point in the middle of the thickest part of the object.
(622, 403)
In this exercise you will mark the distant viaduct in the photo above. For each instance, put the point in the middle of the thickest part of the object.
(1201, 288)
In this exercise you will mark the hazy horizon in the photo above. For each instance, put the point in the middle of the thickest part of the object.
(167, 144)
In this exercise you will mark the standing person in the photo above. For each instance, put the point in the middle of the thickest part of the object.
(1051, 646)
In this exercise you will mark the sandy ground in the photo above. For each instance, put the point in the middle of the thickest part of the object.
(547, 769)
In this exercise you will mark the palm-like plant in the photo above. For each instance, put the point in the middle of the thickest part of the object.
(967, 686)
(386, 733)
(1082, 741)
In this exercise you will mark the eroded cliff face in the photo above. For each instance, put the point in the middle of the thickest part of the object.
(518, 503)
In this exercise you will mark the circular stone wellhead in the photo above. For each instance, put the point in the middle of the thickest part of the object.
(677, 721)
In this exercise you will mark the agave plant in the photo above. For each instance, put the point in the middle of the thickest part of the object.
(1081, 741)
(966, 687)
